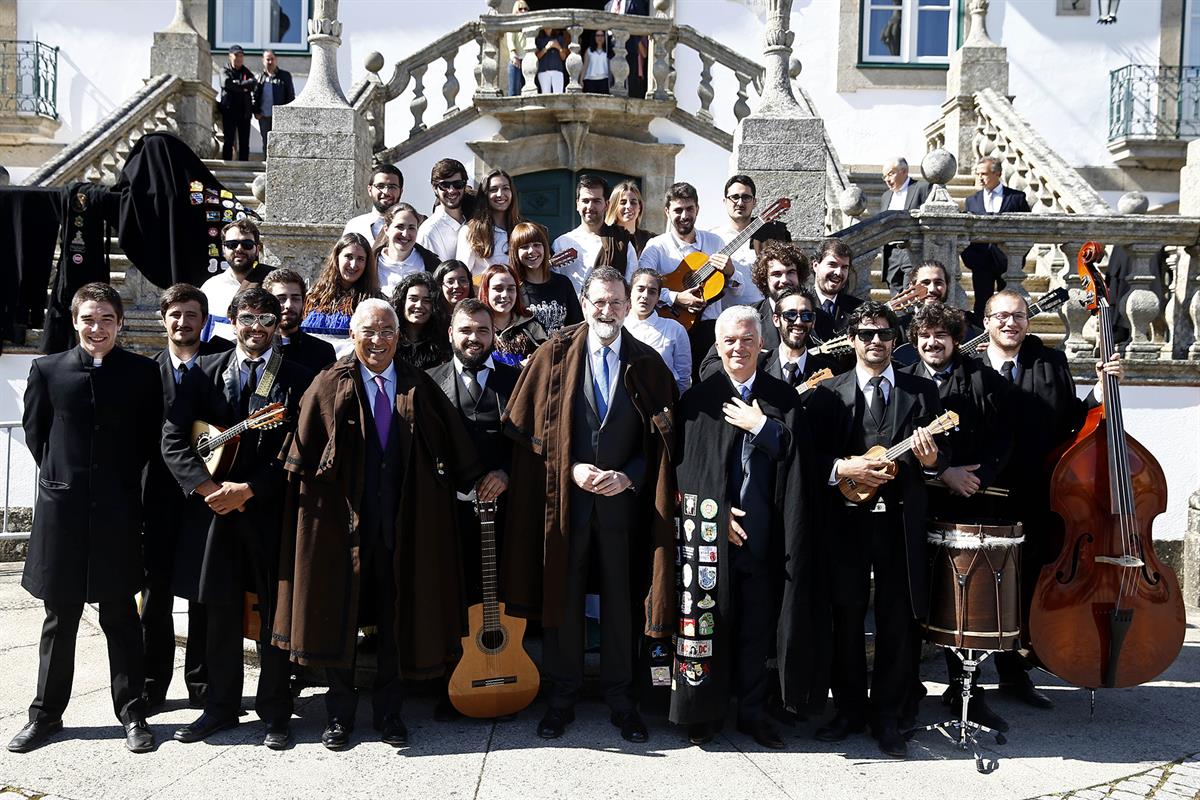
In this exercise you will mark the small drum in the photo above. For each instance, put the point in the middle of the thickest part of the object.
(975, 585)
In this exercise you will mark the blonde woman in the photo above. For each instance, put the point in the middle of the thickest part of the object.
(625, 209)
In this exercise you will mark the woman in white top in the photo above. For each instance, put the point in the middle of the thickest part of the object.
(396, 250)
(484, 240)
(666, 336)
(596, 72)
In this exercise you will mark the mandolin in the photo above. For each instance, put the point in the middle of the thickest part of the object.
(855, 493)
(696, 271)
(1051, 301)
(217, 447)
(495, 676)
(842, 345)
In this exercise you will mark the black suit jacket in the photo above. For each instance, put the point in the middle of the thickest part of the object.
(989, 258)
(1013, 201)
(897, 260)
(828, 326)
(495, 452)
(308, 351)
(285, 89)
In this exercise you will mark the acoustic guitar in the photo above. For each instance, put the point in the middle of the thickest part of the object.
(217, 447)
(495, 676)
(696, 272)
(842, 345)
(1050, 301)
(856, 493)
(565, 257)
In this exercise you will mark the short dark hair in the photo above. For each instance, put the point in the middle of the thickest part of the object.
(604, 275)
(803, 291)
(446, 267)
(253, 297)
(785, 253)
(246, 226)
(285, 275)
(182, 293)
(470, 306)
(640, 271)
(97, 292)
(930, 263)
(593, 182)
(833, 245)
(444, 170)
(869, 310)
(935, 315)
(681, 191)
(388, 169)
(746, 179)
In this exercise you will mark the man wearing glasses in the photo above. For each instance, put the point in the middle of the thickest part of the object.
(873, 404)
(229, 530)
(439, 232)
(740, 202)
(241, 245)
(384, 190)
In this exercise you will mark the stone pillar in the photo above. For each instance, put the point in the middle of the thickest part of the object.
(780, 145)
(318, 156)
(1191, 554)
(181, 50)
(979, 64)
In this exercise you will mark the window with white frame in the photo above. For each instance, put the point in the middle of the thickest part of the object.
(261, 24)
(909, 31)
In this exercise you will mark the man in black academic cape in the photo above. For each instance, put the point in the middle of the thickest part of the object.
(831, 269)
(91, 423)
(933, 275)
(289, 288)
(742, 458)
(183, 310)
(229, 537)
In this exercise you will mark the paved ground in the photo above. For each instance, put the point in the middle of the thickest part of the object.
(1141, 743)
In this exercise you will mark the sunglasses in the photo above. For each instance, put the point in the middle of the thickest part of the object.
(792, 315)
(446, 186)
(266, 320)
(867, 334)
(245, 244)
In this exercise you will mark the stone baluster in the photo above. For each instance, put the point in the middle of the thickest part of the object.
(529, 64)
(574, 61)
(377, 109)
(1014, 272)
(1143, 303)
(450, 87)
(660, 72)
(620, 64)
(705, 90)
(1191, 302)
(419, 101)
(1077, 344)
(741, 107)
(489, 64)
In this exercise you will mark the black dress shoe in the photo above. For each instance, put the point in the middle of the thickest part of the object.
(138, 737)
(279, 735)
(840, 728)
(555, 722)
(891, 742)
(763, 733)
(700, 733)
(631, 725)
(336, 735)
(1028, 694)
(445, 711)
(204, 727)
(33, 736)
(393, 732)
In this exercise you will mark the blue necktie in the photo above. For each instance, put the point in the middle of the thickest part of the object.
(602, 383)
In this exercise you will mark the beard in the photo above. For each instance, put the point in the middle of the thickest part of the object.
(605, 330)
(473, 361)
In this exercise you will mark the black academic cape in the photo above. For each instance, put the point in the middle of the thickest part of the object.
(702, 677)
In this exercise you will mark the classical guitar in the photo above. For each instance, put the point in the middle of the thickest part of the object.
(813, 380)
(217, 447)
(696, 272)
(856, 493)
(565, 257)
(907, 300)
(495, 676)
(1051, 301)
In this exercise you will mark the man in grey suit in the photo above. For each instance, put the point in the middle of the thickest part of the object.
(902, 194)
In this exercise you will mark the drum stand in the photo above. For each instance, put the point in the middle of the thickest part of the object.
(963, 732)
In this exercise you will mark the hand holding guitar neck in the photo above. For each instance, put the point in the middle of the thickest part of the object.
(861, 476)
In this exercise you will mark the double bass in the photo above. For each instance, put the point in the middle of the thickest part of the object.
(1106, 613)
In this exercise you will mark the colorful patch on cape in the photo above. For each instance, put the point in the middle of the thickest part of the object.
(705, 625)
(707, 577)
(689, 505)
(227, 216)
(694, 672)
(687, 626)
(687, 576)
(227, 194)
(212, 265)
(195, 186)
(693, 648)
(685, 603)
(706, 602)
(677, 529)
(213, 233)
(689, 527)
(213, 252)
(227, 203)
(240, 215)
(708, 509)
(708, 531)
(660, 676)
(708, 554)
(689, 553)
(77, 258)
(196, 199)
(658, 650)
(212, 216)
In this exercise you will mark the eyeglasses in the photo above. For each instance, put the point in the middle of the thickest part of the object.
(739, 198)
(387, 334)
(266, 320)
(605, 303)
(1004, 316)
(791, 315)
(867, 334)
(386, 187)
(245, 244)
(446, 186)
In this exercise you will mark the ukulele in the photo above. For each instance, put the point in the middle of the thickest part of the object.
(857, 493)
(495, 676)
(1045, 304)
(813, 380)
(696, 272)
(217, 447)
(907, 300)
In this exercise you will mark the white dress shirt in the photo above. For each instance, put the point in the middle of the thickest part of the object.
(664, 252)
(389, 382)
(864, 385)
(595, 348)
(485, 369)
(799, 362)
(439, 233)
(176, 362)
(220, 289)
(997, 361)
(244, 371)
(740, 288)
(475, 262)
(993, 198)
(670, 339)
(367, 225)
(588, 246)
(900, 197)
(392, 272)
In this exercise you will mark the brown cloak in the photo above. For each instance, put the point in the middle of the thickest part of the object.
(317, 617)
(538, 418)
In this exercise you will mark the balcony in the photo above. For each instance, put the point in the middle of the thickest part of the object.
(28, 78)
(1152, 113)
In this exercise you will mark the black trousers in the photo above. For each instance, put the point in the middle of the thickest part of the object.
(158, 640)
(273, 697)
(875, 542)
(236, 124)
(753, 631)
(376, 602)
(987, 263)
(264, 130)
(608, 549)
(56, 659)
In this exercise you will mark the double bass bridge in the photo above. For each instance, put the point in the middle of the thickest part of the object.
(1121, 561)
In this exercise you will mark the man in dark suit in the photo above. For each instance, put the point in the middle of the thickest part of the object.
(274, 89)
(932, 275)
(987, 262)
(882, 537)
(635, 47)
(91, 419)
(183, 310)
(831, 268)
(290, 290)
(229, 537)
(779, 266)
(902, 194)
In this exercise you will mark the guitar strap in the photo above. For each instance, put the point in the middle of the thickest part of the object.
(268, 377)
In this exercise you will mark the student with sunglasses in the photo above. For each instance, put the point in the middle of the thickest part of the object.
(439, 231)
(241, 246)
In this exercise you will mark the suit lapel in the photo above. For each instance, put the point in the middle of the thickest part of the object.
(231, 379)
(902, 400)
(449, 384)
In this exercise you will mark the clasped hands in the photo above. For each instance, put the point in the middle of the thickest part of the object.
(223, 498)
(604, 482)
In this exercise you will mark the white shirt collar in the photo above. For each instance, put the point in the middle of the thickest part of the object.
(368, 376)
(594, 343)
(243, 356)
(822, 297)
(864, 376)
(799, 362)
(176, 361)
(488, 363)
(748, 385)
(997, 360)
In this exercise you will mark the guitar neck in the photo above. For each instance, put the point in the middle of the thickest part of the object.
(736, 243)
(487, 537)
(972, 345)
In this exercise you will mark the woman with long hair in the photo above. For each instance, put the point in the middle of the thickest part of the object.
(423, 339)
(518, 334)
(396, 251)
(347, 278)
(484, 239)
(625, 210)
(547, 295)
(454, 284)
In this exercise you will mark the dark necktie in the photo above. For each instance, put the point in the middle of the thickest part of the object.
(252, 364)
(791, 373)
(828, 307)
(878, 403)
(941, 377)
(1006, 370)
(382, 411)
(473, 387)
(183, 371)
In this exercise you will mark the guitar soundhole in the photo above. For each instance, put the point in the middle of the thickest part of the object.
(202, 447)
(492, 640)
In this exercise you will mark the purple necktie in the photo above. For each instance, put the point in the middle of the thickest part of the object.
(382, 411)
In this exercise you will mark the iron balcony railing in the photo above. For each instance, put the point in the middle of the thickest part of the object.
(28, 78)
(1153, 102)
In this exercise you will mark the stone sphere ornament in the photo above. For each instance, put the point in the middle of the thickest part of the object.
(794, 68)
(852, 201)
(373, 61)
(1133, 203)
(939, 166)
(259, 187)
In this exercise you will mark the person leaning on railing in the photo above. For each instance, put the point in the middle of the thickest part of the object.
(516, 52)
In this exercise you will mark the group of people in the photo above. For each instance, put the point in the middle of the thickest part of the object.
(245, 95)
(689, 478)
